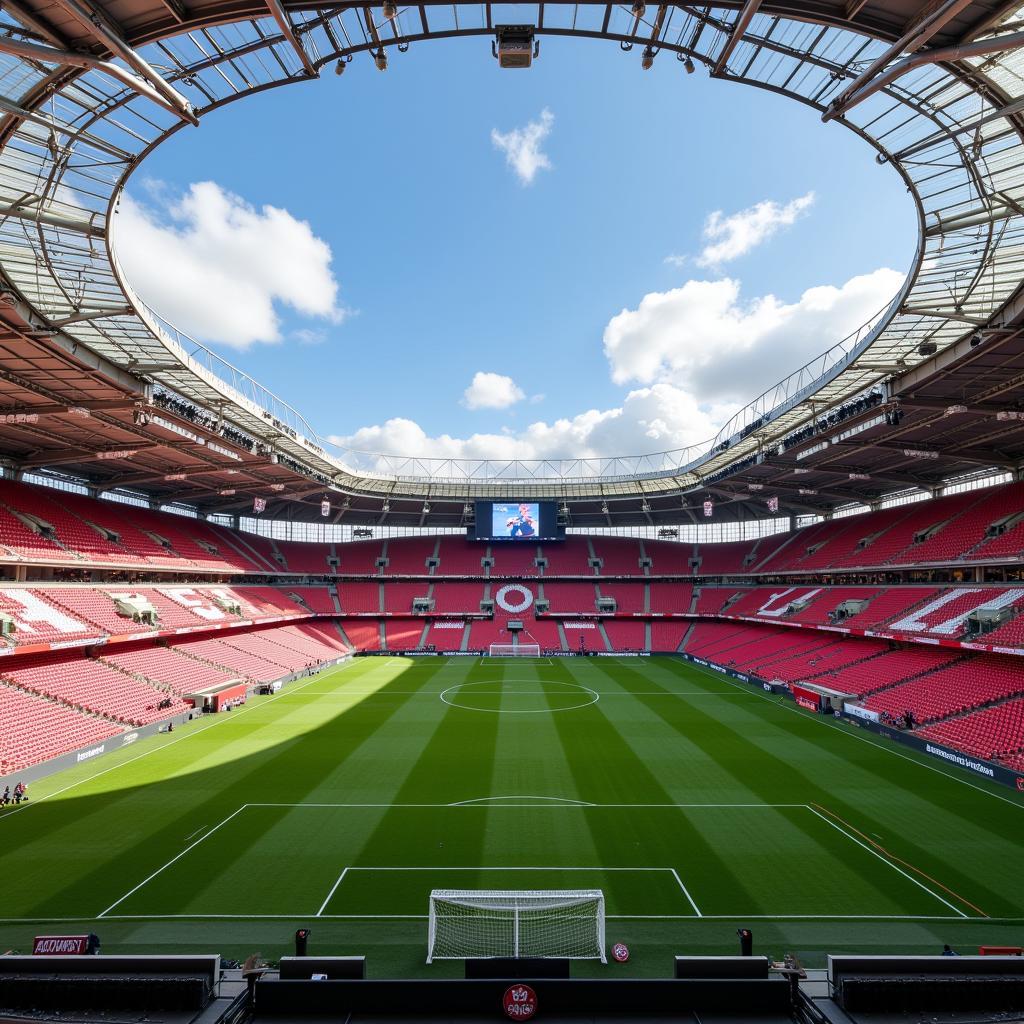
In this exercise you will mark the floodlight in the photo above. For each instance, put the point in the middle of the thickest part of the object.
(688, 64)
(639, 8)
(976, 339)
(380, 58)
(927, 348)
(339, 68)
(647, 60)
(389, 10)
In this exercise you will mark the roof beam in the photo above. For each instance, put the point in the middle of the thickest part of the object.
(87, 226)
(99, 25)
(874, 79)
(913, 39)
(284, 23)
(746, 15)
(66, 58)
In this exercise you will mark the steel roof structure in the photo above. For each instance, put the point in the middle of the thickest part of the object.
(96, 382)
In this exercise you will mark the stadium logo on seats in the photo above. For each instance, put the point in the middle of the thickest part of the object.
(513, 606)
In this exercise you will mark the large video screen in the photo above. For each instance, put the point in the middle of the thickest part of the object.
(517, 521)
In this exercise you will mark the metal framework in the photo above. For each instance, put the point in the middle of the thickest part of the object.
(84, 99)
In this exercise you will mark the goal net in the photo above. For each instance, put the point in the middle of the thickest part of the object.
(514, 650)
(474, 923)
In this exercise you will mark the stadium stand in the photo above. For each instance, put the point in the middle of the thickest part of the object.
(36, 729)
(575, 598)
(570, 557)
(996, 732)
(89, 685)
(671, 597)
(452, 598)
(409, 556)
(460, 557)
(626, 636)
(628, 597)
(620, 556)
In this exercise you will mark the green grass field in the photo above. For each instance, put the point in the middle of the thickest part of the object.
(697, 805)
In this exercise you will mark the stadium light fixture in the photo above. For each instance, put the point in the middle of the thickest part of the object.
(647, 60)
(687, 63)
(639, 9)
(976, 339)
(339, 68)
(927, 348)
(380, 58)
(389, 10)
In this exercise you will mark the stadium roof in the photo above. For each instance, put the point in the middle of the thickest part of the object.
(88, 89)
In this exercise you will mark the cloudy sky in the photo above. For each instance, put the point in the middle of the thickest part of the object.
(580, 259)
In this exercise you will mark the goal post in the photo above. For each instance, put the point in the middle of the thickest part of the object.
(514, 650)
(480, 923)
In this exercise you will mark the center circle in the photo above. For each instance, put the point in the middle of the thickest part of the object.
(519, 696)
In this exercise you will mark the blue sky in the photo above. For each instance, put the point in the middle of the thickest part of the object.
(428, 260)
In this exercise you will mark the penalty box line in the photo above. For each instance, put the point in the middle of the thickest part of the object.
(517, 867)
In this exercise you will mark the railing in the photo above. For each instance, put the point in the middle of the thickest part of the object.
(417, 469)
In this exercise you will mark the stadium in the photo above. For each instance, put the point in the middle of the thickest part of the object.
(484, 737)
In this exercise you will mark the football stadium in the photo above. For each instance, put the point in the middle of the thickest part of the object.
(724, 725)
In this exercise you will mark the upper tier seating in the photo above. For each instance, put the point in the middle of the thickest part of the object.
(309, 559)
(513, 558)
(967, 527)
(359, 557)
(570, 557)
(408, 557)
(460, 557)
(620, 556)
(35, 729)
(723, 559)
(669, 558)
(952, 529)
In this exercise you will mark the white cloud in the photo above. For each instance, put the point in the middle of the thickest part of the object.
(699, 353)
(704, 338)
(521, 147)
(675, 260)
(491, 391)
(650, 419)
(216, 266)
(735, 235)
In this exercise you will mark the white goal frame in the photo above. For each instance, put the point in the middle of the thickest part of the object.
(514, 650)
(469, 924)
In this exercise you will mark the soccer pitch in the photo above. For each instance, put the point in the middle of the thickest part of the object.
(698, 805)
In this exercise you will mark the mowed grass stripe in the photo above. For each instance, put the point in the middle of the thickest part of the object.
(608, 771)
(261, 860)
(442, 756)
(948, 830)
(749, 753)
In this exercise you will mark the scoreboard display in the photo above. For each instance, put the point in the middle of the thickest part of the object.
(517, 521)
